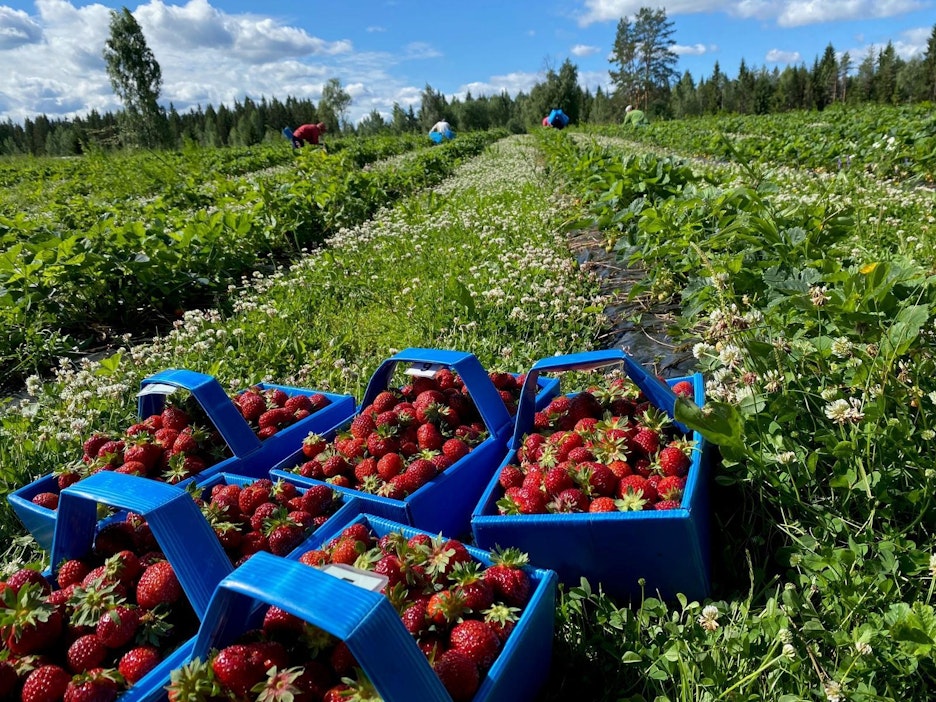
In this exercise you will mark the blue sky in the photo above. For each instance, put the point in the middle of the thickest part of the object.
(386, 51)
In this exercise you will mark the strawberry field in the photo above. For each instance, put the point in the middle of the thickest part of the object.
(794, 273)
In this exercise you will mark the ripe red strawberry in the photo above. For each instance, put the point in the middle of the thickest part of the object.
(313, 444)
(571, 500)
(298, 402)
(389, 465)
(671, 487)
(602, 504)
(47, 500)
(667, 504)
(251, 497)
(445, 606)
(507, 577)
(429, 438)
(137, 662)
(384, 401)
(146, 451)
(278, 417)
(283, 538)
(96, 685)
(342, 660)
(118, 626)
(458, 673)
(379, 445)
(86, 652)
(238, 668)
(71, 571)
(92, 445)
(346, 551)
(47, 683)
(276, 397)
(455, 449)
(477, 640)
(158, 585)
(684, 389)
(637, 485)
(673, 461)
(251, 405)
(317, 500)
(111, 452)
(175, 418)
(647, 441)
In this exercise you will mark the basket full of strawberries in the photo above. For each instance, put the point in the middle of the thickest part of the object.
(462, 625)
(431, 428)
(205, 432)
(603, 483)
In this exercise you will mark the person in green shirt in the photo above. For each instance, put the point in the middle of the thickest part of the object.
(635, 117)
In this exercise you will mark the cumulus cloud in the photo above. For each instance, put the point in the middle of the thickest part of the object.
(780, 56)
(785, 13)
(584, 50)
(910, 44)
(694, 49)
(17, 28)
(511, 83)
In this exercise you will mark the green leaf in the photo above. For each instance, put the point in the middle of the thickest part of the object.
(906, 329)
(631, 657)
(718, 422)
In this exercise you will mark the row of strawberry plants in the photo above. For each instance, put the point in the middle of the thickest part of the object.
(893, 142)
(165, 257)
(817, 346)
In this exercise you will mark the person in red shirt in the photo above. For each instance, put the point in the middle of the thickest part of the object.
(308, 133)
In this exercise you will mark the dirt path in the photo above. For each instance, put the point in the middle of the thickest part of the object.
(638, 326)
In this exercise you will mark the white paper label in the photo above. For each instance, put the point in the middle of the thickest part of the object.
(157, 389)
(365, 579)
(424, 370)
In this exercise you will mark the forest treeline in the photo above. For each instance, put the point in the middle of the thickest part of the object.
(647, 80)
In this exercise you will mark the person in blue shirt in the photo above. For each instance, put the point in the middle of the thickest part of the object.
(558, 119)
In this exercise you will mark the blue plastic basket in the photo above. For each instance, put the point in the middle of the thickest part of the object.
(181, 531)
(370, 626)
(443, 504)
(252, 457)
(667, 548)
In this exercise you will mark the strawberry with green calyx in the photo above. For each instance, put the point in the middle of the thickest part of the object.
(96, 685)
(193, 682)
(502, 619)
(507, 577)
(445, 607)
(28, 622)
(158, 585)
(468, 579)
(280, 685)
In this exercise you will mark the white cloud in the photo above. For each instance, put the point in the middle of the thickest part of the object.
(910, 44)
(584, 50)
(375, 29)
(511, 83)
(420, 50)
(17, 28)
(780, 56)
(694, 49)
(785, 13)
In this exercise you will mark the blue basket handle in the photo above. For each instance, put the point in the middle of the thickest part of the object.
(214, 400)
(477, 381)
(658, 392)
(364, 620)
(183, 533)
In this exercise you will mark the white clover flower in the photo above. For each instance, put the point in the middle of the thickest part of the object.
(818, 295)
(789, 652)
(786, 457)
(833, 691)
(701, 350)
(842, 347)
(785, 635)
(708, 620)
(927, 434)
(731, 356)
(772, 381)
(863, 648)
(837, 411)
(828, 394)
(932, 565)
